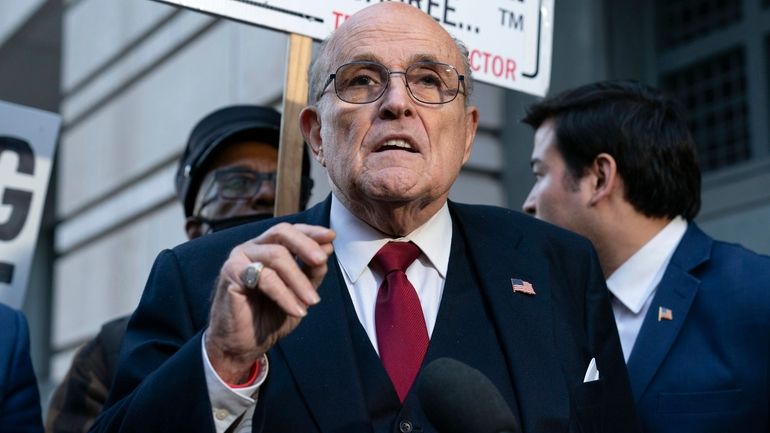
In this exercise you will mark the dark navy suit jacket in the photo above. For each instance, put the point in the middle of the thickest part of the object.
(547, 340)
(19, 397)
(707, 370)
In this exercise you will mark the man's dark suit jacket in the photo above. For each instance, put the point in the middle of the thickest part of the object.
(547, 340)
(708, 369)
(19, 397)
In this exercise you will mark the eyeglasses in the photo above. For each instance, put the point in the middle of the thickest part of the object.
(236, 183)
(365, 82)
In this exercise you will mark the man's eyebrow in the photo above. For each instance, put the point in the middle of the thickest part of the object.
(368, 57)
(423, 58)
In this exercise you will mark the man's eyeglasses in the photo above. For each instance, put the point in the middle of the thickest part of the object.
(236, 183)
(365, 82)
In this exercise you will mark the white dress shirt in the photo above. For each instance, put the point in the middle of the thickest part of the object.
(634, 283)
(355, 246)
(357, 243)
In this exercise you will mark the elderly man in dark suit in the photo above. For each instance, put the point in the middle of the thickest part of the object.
(615, 161)
(19, 397)
(322, 321)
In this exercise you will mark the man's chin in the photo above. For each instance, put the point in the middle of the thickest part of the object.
(397, 184)
(392, 193)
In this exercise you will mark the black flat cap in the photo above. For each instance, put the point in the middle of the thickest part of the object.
(215, 130)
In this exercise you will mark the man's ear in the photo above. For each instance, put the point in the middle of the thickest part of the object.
(604, 177)
(471, 125)
(310, 124)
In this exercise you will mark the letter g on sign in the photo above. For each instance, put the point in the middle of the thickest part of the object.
(18, 200)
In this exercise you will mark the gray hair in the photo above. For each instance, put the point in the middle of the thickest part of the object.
(321, 68)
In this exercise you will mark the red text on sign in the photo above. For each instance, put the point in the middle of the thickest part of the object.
(339, 18)
(489, 63)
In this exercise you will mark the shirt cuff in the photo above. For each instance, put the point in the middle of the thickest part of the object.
(228, 404)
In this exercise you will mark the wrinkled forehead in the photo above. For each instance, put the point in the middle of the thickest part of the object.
(405, 36)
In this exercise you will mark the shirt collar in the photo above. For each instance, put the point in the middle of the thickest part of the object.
(357, 242)
(636, 279)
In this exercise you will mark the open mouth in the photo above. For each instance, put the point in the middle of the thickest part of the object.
(397, 144)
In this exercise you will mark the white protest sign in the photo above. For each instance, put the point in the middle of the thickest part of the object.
(27, 141)
(509, 40)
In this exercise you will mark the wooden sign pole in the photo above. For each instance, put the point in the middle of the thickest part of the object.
(300, 50)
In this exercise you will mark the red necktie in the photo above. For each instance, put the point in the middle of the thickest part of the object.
(401, 333)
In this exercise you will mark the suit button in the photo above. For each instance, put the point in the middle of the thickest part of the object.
(405, 427)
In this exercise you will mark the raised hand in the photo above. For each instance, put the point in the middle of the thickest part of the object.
(244, 323)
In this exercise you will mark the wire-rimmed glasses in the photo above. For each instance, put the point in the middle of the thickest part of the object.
(365, 82)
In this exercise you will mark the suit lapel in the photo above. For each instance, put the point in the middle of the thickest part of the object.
(320, 352)
(498, 256)
(676, 292)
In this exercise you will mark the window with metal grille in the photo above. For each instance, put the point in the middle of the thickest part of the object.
(713, 92)
(680, 21)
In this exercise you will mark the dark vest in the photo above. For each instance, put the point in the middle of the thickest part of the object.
(464, 331)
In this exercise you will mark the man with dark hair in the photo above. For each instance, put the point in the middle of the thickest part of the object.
(615, 162)
(226, 177)
(322, 321)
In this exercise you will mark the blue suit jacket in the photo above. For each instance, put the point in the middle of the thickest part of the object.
(707, 370)
(19, 397)
(547, 340)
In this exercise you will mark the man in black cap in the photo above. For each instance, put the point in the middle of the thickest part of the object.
(226, 177)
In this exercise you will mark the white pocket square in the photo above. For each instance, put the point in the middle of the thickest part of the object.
(592, 374)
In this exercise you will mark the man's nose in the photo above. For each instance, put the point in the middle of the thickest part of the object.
(529, 205)
(265, 194)
(396, 102)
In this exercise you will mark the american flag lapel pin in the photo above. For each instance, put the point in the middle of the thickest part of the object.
(521, 286)
(665, 314)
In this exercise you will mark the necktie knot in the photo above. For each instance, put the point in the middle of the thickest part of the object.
(396, 256)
